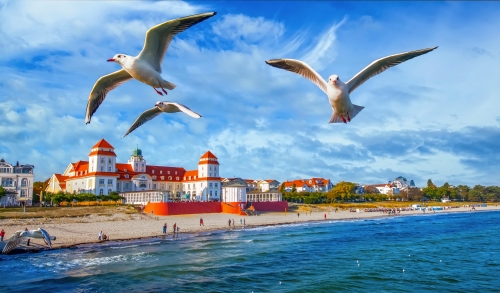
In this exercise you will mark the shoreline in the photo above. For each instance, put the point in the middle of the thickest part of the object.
(78, 233)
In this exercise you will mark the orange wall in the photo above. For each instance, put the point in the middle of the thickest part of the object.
(183, 208)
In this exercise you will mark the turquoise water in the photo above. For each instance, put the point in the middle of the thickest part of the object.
(456, 252)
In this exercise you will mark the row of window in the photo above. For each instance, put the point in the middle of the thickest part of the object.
(161, 172)
(110, 181)
(9, 182)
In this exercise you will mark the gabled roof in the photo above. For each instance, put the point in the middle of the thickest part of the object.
(163, 171)
(103, 144)
(192, 173)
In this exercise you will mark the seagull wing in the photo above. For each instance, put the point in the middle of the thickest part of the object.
(46, 236)
(145, 117)
(14, 241)
(186, 110)
(382, 64)
(158, 38)
(101, 88)
(301, 68)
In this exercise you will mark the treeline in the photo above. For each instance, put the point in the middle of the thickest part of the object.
(462, 192)
(346, 191)
(70, 198)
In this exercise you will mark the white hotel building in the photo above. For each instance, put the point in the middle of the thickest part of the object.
(136, 180)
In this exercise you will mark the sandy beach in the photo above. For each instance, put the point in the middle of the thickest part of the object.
(82, 230)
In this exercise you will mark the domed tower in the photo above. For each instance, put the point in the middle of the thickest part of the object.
(102, 157)
(137, 161)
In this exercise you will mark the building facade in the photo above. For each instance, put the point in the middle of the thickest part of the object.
(136, 180)
(17, 180)
(309, 185)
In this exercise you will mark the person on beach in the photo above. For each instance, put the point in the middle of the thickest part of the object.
(100, 236)
(229, 222)
(325, 216)
(2, 234)
(233, 222)
(243, 222)
(175, 225)
(165, 228)
(201, 222)
(298, 215)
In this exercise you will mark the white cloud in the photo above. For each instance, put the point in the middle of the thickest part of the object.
(249, 29)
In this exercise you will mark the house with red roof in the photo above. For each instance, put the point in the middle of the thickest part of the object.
(102, 174)
(310, 185)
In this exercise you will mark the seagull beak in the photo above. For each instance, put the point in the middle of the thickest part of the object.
(111, 60)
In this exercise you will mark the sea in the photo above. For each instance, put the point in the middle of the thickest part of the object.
(439, 252)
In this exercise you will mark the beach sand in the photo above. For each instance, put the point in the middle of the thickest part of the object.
(82, 230)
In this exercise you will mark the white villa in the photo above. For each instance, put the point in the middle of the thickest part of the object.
(236, 190)
(17, 180)
(136, 180)
(310, 185)
(393, 187)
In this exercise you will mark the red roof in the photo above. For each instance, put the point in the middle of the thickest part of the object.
(102, 153)
(208, 155)
(163, 171)
(192, 173)
(103, 144)
(61, 178)
(80, 166)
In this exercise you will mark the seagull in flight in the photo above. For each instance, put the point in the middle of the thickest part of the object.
(339, 92)
(145, 67)
(167, 107)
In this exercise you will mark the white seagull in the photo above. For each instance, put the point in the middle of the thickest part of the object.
(167, 107)
(337, 91)
(19, 236)
(145, 67)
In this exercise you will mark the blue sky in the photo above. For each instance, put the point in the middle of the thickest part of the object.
(435, 116)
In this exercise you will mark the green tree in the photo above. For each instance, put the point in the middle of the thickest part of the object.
(294, 188)
(430, 184)
(282, 188)
(3, 191)
(342, 190)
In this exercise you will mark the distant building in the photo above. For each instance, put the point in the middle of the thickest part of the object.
(310, 185)
(17, 180)
(236, 190)
(392, 187)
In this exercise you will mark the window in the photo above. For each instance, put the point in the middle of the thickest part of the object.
(216, 185)
(24, 182)
(177, 178)
(169, 177)
(175, 172)
(102, 160)
(170, 187)
(184, 178)
(109, 160)
(162, 177)
(153, 171)
(154, 186)
(101, 181)
(162, 187)
(110, 181)
(109, 191)
(101, 191)
(210, 185)
(216, 193)
(168, 172)
(126, 185)
(126, 175)
(161, 172)
(117, 186)
(109, 169)
(178, 187)
(142, 185)
(102, 168)
(189, 186)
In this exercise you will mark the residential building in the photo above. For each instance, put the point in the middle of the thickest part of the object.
(17, 180)
(310, 185)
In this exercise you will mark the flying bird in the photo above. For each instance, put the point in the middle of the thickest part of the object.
(167, 107)
(145, 67)
(339, 92)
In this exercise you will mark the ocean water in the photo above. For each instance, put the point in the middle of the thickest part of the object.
(442, 252)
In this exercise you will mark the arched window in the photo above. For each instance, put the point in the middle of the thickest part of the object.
(109, 191)
(7, 182)
(142, 185)
(23, 193)
(24, 182)
(101, 192)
